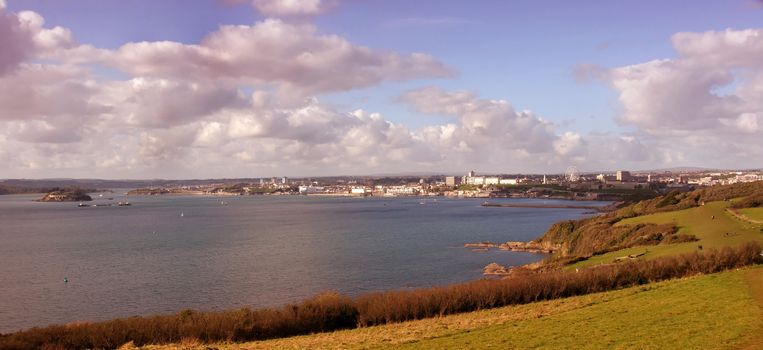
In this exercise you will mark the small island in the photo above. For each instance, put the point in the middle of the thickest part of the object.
(66, 195)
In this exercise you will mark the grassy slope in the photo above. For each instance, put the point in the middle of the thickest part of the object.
(717, 311)
(753, 213)
(697, 221)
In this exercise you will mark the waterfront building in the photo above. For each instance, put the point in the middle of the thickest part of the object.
(402, 190)
(311, 189)
(360, 191)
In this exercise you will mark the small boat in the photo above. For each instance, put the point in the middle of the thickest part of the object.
(83, 205)
(181, 214)
(124, 204)
(422, 203)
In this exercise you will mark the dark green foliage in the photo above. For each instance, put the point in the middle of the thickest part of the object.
(598, 235)
(751, 201)
(682, 238)
(668, 199)
(593, 236)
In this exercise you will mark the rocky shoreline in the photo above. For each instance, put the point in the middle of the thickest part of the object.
(530, 247)
(497, 270)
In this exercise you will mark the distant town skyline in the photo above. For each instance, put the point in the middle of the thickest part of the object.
(260, 88)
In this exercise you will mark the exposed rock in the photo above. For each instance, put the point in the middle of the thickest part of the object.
(495, 269)
(531, 247)
(481, 245)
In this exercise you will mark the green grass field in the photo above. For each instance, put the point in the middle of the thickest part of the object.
(719, 311)
(753, 213)
(711, 223)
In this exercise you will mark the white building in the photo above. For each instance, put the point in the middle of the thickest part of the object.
(509, 181)
(475, 180)
(360, 191)
(402, 190)
(311, 189)
(493, 180)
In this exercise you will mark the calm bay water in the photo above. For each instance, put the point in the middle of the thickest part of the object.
(254, 251)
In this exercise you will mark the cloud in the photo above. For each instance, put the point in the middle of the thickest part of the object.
(717, 77)
(288, 8)
(162, 103)
(704, 106)
(47, 92)
(16, 43)
(313, 137)
(23, 37)
(484, 123)
(247, 101)
(291, 56)
(588, 72)
(568, 143)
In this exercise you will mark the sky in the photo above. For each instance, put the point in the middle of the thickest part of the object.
(259, 88)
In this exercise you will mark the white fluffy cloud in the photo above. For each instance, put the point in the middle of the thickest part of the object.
(715, 83)
(706, 105)
(483, 124)
(162, 103)
(36, 91)
(291, 56)
(22, 37)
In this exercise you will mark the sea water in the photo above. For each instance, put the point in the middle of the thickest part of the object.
(60, 263)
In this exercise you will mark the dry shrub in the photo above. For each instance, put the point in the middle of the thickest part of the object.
(331, 311)
(324, 312)
(398, 306)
